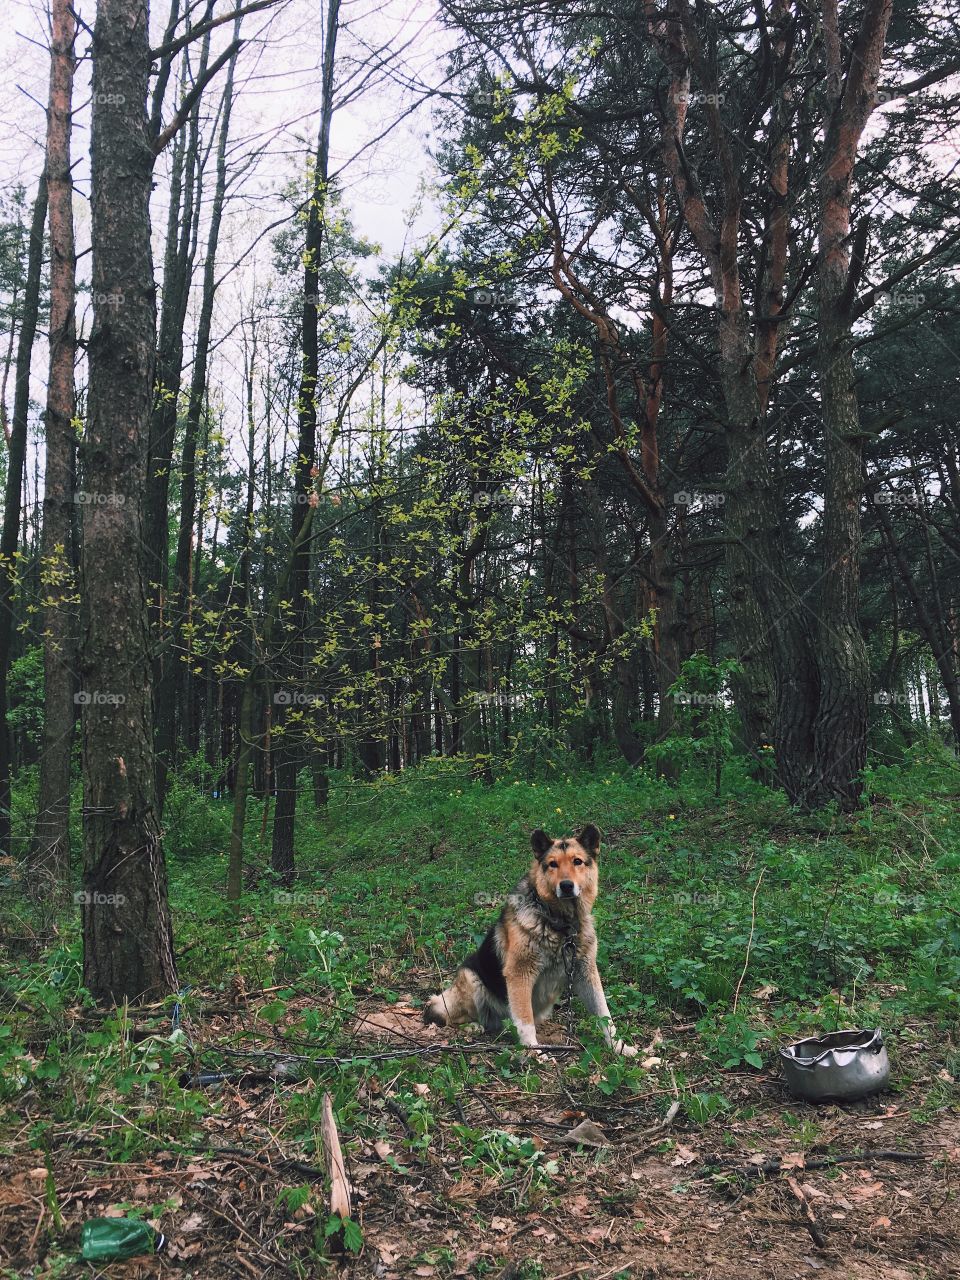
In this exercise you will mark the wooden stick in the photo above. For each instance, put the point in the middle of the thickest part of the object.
(774, 1165)
(811, 1223)
(339, 1186)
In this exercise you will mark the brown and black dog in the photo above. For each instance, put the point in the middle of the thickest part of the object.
(545, 931)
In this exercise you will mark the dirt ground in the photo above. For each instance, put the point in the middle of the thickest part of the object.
(639, 1201)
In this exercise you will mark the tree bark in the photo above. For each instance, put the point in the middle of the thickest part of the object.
(12, 508)
(179, 599)
(292, 755)
(52, 833)
(127, 933)
(844, 669)
(179, 256)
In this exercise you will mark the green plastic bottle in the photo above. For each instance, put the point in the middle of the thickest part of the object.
(111, 1239)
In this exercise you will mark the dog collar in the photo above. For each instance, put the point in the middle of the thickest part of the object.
(564, 927)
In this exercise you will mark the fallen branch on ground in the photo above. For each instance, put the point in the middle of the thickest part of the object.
(775, 1165)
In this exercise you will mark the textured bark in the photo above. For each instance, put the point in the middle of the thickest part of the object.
(179, 257)
(293, 755)
(841, 728)
(748, 475)
(51, 850)
(931, 625)
(10, 534)
(646, 481)
(128, 943)
(180, 590)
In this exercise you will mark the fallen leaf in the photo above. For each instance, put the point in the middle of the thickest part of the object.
(880, 1224)
(180, 1249)
(684, 1156)
(586, 1134)
(868, 1193)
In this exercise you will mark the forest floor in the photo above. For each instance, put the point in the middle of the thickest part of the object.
(694, 1161)
(634, 1198)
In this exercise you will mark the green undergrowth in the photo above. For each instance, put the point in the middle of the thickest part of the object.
(728, 923)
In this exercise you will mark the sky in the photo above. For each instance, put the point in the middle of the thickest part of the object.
(380, 137)
(278, 100)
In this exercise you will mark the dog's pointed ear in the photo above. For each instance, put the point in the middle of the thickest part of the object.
(540, 842)
(589, 837)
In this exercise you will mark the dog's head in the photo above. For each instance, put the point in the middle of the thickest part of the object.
(566, 868)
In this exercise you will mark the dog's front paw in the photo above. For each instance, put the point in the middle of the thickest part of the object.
(625, 1050)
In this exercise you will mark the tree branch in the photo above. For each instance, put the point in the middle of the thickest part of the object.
(183, 114)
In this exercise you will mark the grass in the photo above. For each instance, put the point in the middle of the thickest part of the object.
(730, 914)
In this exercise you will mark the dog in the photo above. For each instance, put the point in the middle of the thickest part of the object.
(545, 932)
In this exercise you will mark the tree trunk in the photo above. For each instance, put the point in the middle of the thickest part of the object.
(127, 934)
(841, 727)
(52, 832)
(290, 755)
(12, 508)
(174, 686)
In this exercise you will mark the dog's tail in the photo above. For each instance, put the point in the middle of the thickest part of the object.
(435, 1010)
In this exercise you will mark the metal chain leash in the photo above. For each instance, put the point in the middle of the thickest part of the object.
(568, 954)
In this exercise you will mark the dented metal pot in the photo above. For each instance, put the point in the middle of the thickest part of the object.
(843, 1066)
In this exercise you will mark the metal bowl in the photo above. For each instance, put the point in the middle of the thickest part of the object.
(844, 1065)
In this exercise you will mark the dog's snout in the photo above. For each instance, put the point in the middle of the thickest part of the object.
(566, 886)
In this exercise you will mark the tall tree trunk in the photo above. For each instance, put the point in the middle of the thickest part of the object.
(841, 726)
(127, 933)
(52, 833)
(180, 594)
(254, 678)
(12, 508)
(179, 256)
(292, 755)
(772, 638)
